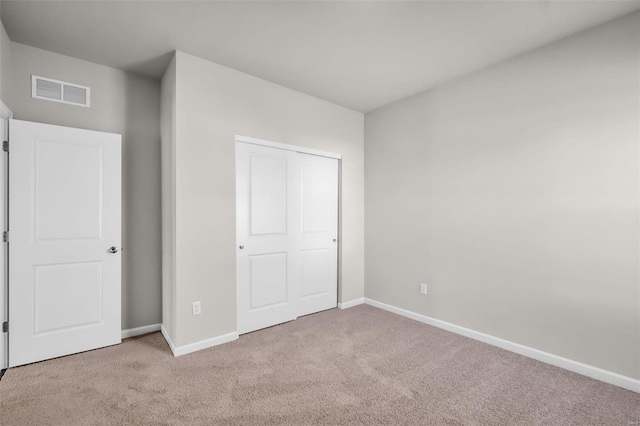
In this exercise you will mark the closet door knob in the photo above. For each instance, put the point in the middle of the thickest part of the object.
(241, 247)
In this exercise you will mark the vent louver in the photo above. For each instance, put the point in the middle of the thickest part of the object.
(60, 91)
(48, 89)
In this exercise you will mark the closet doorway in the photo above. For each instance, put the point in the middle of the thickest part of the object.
(286, 232)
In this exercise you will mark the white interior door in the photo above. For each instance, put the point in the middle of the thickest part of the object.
(287, 223)
(64, 241)
(266, 262)
(317, 233)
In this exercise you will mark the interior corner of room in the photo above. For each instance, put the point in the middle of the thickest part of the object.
(501, 205)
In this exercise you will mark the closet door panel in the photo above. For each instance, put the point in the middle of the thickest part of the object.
(317, 233)
(266, 266)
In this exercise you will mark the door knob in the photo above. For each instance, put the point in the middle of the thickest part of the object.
(113, 249)
(241, 247)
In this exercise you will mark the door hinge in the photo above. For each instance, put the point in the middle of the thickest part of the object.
(5, 237)
(5, 146)
(5, 327)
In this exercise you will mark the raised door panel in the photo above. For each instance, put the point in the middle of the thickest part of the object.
(268, 194)
(317, 276)
(319, 182)
(68, 296)
(67, 190)
(268, 280)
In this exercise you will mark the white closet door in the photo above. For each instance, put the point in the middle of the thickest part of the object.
(317, 233)
(266, 261)
(287, 226)
(64, 239)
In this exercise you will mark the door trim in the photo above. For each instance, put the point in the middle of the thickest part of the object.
(271, 144)
(5, 116)
(5, 112)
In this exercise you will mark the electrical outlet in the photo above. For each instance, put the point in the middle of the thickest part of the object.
(423, 288)
(196, 308)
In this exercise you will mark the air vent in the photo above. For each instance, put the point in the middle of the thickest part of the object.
(60, 91)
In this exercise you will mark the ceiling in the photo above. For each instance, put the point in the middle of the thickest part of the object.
(361, 55)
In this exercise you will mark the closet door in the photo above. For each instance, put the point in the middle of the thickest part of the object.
(266, 262)
(317, 180)
(287, 227)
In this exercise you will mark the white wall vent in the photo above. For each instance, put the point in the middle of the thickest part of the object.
(60, 91)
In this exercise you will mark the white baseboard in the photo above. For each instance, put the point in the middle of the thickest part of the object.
(575, 366)
(166, 336)
(351, 303)
(193, 347)
(132, 332)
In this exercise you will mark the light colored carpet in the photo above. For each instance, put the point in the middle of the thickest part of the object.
(358, 366)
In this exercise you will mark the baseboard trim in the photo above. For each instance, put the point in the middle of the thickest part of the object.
(351, 303)
(558, 361)
(166, 336)
(197, 346)
(138, 331)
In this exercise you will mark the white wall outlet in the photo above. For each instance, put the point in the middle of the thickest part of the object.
(196, 308)
(423, 288)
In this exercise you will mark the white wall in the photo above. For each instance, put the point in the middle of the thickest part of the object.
(213, 104)
(120, 103)
(513, 192)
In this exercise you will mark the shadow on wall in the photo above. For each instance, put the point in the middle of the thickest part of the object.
(150, 66)
(141, 225)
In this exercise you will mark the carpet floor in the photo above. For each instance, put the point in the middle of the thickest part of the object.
(360, 366)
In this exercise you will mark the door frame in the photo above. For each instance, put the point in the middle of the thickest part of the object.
(5, 116)
(263, 142)
(303, 150)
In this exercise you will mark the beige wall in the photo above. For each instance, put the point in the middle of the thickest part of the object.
(513, 192)
(120, 103)
(214, 103)
(168, 133)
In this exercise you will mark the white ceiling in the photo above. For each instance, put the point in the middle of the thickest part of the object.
(361, 55)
